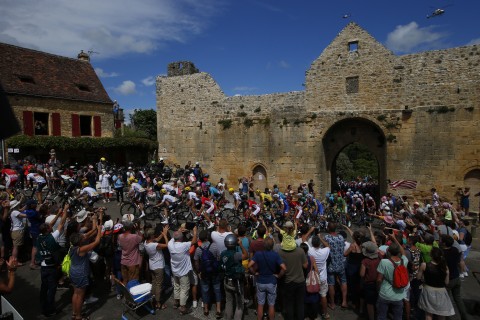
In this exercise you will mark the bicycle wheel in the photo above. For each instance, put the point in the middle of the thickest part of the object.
(151, 213)
(183, 217)
(128, 208)
(233, 221)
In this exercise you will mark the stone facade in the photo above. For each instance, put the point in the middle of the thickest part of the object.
(418, 114)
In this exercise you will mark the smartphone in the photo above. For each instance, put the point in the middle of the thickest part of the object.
(190, 225)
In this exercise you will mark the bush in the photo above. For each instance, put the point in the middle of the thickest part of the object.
(65, 143)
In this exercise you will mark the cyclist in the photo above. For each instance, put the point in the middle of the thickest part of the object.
(236, 197)
(213, 192)
(168, 202)
(39, 178)
(139, 194)
(157, 188)
(265, 198)
(209, 205)
(193, 199)
(88, 194)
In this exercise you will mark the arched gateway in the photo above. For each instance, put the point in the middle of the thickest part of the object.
(355, 130)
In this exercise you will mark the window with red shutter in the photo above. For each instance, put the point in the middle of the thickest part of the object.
(75, 125)
(56, 127)
(97, 126)
(28, 123)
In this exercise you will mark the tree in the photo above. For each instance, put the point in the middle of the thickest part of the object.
(344, 166)
(145, 121)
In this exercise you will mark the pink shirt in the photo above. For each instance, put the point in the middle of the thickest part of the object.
(130, 252)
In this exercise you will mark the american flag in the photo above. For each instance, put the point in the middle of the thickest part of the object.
(403, 184)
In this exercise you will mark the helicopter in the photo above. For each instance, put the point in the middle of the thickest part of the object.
(436, 13)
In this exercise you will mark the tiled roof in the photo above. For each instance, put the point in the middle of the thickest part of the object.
(30, 72)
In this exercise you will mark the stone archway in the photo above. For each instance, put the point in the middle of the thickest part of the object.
(259, 177)
(355, 130)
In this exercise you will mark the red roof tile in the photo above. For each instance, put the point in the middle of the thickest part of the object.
(30, 72)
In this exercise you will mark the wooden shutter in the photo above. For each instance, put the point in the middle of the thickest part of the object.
(56, 129)
(97, 126)
(75, 125)
(28, 123)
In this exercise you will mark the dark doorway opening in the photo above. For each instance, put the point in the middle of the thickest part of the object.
(360, 137)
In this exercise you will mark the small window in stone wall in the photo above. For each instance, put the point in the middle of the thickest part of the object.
(85, 125)
(352, 46)
(40, 120)
(352, 85)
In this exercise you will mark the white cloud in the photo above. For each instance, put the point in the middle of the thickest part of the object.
(406, 38)
(149, 81)
(474, 41)
(103, 74)
(110, 27)
(126, 88)
(283, 64)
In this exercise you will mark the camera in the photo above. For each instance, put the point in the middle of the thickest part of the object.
(190, 225)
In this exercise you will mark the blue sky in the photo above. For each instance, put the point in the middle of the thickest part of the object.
(250, 47)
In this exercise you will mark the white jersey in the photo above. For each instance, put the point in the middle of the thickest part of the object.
(90, 191)
(137, 187)
(167, 187)
(168, 198)
(35, 176)
(236, 196)
(192, 195)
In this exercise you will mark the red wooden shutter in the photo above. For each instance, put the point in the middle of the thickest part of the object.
(28, 123)
(75, 125)
(56, 129)
(97, 126)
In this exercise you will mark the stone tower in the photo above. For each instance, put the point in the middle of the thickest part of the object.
(181, 68)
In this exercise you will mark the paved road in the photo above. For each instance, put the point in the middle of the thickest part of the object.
(25, 297)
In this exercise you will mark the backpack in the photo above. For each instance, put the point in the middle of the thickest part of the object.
(400, 275)
(467, 239)
(105, 247)
(208, 263)
(231, 268)
(67, 261)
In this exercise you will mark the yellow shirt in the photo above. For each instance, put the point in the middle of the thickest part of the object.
(288, 242)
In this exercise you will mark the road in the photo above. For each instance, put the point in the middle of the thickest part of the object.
(25, 297)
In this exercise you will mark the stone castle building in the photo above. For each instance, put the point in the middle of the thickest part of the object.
(418, 114)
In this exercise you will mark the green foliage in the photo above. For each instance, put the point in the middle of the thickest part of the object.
(145, 121)
(356, 160)
(242, 114)
(391, 138)
(225, 123)
(84, 143)
(381, 117)
(257, 110)
(242, 106)
(248, 122)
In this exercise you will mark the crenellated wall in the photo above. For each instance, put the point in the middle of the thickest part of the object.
(421, 111)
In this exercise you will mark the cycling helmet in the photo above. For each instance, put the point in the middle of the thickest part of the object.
(163, 191)
(188, 189)
(173, 193)
(244, 197)
(131, 178)
(230, 241)
(159, 182)
(85, 183)
(276, 196)
(231, 190)
(206, 175)
(102, 159)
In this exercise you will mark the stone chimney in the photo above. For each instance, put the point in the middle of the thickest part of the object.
(83, 56)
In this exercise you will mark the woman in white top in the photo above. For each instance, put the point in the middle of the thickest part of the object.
(156, 262)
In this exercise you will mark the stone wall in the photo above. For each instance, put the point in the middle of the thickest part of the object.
(423, 109)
